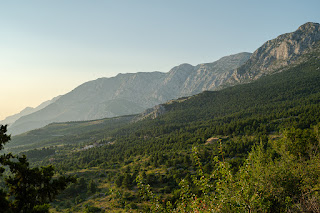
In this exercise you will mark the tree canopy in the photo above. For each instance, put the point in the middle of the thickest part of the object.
(27, 189)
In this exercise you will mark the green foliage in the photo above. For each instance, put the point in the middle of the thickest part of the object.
(29, 189)
(4, 138)
(274, 178)
(92, 187)
(92, 209)
(41, 208)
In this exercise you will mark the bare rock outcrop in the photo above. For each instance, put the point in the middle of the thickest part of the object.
(276, 54)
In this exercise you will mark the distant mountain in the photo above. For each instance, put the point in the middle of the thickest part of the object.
(186, 80)
(28, 110)
(130, 93)
(270, 103)
(276, 54)
(12, 118)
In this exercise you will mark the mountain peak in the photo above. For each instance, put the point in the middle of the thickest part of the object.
(184, 66)
(277, 53)
(309, 26)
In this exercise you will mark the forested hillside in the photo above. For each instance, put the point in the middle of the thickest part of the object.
(249, 148)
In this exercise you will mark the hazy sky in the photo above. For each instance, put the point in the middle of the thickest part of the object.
(48, 47)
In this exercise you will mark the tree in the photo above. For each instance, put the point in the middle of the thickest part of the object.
(28, 189)
(92, 187)
(127, 181)
(92, 209)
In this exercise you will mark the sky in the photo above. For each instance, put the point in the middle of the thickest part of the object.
(49, 47)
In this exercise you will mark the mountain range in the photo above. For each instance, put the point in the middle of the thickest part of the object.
(26, 111)
(254, 137)
(268, 104)
(133, 93)
(130, 93)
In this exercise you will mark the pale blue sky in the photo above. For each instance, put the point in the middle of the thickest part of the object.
(48, 47)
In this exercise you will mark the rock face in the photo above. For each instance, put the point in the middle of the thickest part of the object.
(130, 93)
(152, 113)
(275, 54)
(194, 80)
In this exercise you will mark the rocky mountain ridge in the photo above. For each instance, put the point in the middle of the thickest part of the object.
(130, 93)
(134, 92)
(277, 53)
(273, 56)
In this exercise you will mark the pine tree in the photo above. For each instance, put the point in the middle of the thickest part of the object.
(29, 189)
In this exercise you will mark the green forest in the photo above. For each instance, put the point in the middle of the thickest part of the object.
(249, 148)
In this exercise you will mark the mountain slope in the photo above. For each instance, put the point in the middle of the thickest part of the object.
(289, 98)
(276, 54)
(28, 110)
(186, 80)
(132, 93)
(129, 93)
(223, 125)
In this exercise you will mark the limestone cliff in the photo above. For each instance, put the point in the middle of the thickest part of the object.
(276, 54)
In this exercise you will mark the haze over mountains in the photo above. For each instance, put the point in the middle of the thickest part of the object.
(130, 93)
(26, 111)
(133, 93)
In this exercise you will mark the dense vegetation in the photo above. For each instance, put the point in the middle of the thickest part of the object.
(27, 189)
(277, 176)
(249, 148)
